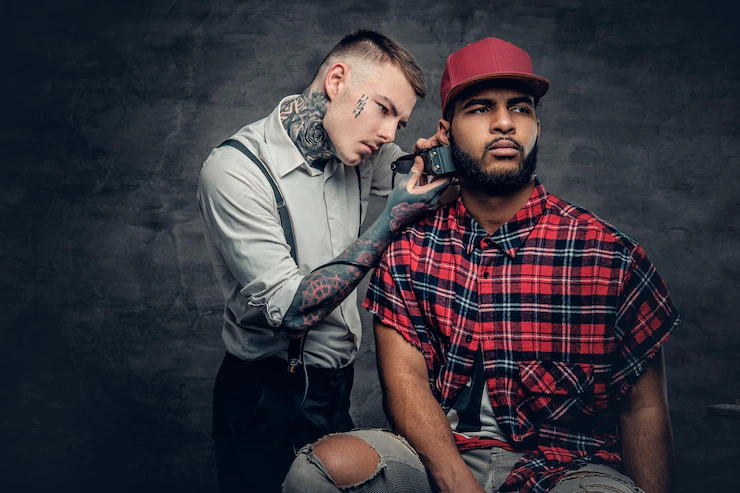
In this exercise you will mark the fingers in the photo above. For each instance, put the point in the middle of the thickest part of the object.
(415, 185)
(433, 186)
(422, 143)
(415, 174)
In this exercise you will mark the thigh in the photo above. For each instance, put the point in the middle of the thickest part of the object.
(250, 398)
(252, 412)
(325, 410)
(491, 466)
(595, 478)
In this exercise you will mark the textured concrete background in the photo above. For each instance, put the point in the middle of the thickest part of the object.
(110, 316)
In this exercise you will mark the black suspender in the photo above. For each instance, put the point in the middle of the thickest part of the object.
(282, 208)
(295, 347)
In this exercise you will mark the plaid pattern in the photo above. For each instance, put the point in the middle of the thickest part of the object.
(566, 309)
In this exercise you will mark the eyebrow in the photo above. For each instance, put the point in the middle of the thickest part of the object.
(491, 102)
(393, 108)
(479, 101)
(520, 99)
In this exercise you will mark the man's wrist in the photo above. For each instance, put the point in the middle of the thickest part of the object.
(456, 479)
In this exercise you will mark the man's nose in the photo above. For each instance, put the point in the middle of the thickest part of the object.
(387, 133)
(502, 122)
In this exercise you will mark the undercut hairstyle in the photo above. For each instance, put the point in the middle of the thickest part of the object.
(449, 112)
(376, 48)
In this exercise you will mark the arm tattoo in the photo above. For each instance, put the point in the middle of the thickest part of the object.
(324, 289)
(303, 120)
(321, 291)
(360, 106)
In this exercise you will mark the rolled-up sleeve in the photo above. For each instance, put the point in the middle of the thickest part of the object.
(241, 220)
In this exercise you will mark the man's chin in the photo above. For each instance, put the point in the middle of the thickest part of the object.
(357, 160)
(352, 159)
(509, 162)
(499, 166)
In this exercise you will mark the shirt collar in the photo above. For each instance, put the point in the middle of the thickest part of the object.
(510, 236)
(285, 155)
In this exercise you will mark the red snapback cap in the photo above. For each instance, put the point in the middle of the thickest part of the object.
(489, 58)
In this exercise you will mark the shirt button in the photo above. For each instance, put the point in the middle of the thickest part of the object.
(486, 275)
(468, 338)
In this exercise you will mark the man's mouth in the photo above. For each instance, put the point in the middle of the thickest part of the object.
(373, 148)
(504, 148)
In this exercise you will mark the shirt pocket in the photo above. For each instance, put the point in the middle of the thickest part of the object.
(554, 392)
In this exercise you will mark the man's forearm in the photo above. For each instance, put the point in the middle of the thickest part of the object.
(647, 437)
(415, 414)
(647, 450)
(324, 289)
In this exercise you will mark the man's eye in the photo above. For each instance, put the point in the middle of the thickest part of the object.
(521, 109)
(481, 109)
(383, 109)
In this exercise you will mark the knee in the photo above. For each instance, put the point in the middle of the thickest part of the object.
(305, 474)
(348, 460)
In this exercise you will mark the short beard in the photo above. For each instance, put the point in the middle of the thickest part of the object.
(495, 183)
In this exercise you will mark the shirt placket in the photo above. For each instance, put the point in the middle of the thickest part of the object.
(334, 208)
(488, 252)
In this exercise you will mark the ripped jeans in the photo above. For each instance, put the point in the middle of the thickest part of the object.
(400, 470)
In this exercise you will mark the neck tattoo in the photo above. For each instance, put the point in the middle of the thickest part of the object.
(303, 118)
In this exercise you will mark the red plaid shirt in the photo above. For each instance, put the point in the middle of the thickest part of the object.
(566, 309)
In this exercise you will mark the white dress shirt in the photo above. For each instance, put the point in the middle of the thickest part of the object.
(245, 240)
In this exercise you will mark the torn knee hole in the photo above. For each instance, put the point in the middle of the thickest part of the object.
(349, 460)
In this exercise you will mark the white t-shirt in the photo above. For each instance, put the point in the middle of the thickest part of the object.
(472, 415)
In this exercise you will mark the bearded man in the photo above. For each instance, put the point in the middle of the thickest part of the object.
(519, 337)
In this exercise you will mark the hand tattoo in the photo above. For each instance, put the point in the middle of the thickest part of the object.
(303, 120)
(402, 214)
(360, 105)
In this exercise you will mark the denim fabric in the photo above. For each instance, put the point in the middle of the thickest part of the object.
(595, 478)
(399, 468)
(400, 471)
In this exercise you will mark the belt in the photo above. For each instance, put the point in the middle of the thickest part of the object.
(276, 363)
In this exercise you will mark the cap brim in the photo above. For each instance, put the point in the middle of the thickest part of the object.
(538, 85)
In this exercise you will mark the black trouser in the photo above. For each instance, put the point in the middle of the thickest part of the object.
(257, 423)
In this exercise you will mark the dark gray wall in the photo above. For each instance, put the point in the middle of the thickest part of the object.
(110, 317)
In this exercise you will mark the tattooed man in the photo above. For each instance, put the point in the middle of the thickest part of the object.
(327, 149)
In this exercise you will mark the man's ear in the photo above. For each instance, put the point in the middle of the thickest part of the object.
(337, 77)
(443, 132)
